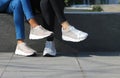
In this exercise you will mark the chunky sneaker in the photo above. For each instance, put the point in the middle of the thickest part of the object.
(39, 32)
(73, 34)
(24, 50)
(49, 49)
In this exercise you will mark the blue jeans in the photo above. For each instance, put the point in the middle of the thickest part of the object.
(19, 9)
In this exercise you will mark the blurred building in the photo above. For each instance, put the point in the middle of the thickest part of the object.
(87, 5)
(107, 1)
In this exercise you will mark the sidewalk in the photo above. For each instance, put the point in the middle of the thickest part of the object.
(65, 65)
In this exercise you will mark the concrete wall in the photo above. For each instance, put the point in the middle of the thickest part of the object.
(111, 8)
(103, 30)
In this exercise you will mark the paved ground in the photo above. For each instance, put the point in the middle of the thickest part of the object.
(72, 65)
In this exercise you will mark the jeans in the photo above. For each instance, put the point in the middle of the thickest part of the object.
(19, 9)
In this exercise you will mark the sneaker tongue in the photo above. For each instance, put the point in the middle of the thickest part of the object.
(22, 44)
(36, 27)
(68, 29)
(71, 27)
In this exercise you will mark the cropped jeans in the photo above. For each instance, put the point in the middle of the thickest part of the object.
(19, 9)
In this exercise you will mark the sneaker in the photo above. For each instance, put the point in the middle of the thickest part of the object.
(24, 50)
(73, 34)
(49, 49)
(39, 32)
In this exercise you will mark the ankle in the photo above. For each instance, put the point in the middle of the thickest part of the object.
(33, 22)
(65, 25)
(20, 41)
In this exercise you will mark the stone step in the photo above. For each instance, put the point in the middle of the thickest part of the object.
(103, 30)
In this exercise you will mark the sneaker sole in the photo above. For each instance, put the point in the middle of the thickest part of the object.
(34, 37)
(48, 55)
(18, 52)
(65, 38)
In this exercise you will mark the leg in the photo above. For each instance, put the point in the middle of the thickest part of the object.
(69, 33)
(3, 5)
(35, 4)
(49, 19)
(16, 8)
(48, 16)
(58, 7)
(21, 7)
(37, 32)
(28, 12)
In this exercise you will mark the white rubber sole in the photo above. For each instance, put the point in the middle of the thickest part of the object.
(19, 52)
(65, 38)
(34, 37)
(49, 54)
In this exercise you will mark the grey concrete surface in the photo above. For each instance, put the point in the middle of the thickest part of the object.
(65, 65)
(4, 61)
(101, 65)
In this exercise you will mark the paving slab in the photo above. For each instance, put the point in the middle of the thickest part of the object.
(101, 65)
(43, 67)
(4, 61)
(79, 65)
(52, 74)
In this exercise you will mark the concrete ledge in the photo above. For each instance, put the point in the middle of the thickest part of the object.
(103, 30)
(7, 35)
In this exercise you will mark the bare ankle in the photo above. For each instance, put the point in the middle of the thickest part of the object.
(33, 23)
(20, 41)
(65, 25)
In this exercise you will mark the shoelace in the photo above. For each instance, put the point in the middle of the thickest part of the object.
(42, 28)
(25, 47)
(78, 32)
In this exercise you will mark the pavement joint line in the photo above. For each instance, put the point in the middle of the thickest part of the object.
(80, 67)
(6, 66)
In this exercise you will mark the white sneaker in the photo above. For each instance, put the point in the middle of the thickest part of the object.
(39, 32)
(73, 34)
(49, 49)
(24, 50)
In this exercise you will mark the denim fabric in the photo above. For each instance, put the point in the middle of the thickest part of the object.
(19, 9)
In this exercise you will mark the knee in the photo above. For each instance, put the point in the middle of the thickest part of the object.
(16, 4)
